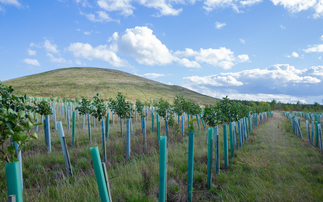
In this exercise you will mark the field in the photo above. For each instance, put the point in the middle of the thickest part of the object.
(273, 165)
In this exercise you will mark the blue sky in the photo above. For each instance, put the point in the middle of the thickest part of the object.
(246, 49)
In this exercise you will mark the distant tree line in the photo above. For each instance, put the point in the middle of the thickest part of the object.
(274, 105)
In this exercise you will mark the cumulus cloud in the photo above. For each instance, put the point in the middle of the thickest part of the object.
(278, 81)
(101, 16)
(56, 60)
(282, 27)
(318, 48)
(165, 7)
(31, 52)
(31, 62)
(87, 33)
(322, 38)
(152, 75)
(50, 47)
(11, 2)
(295, 6)
(219, 25)
(143, 45)
(295, 55)
(209, 5)
(242, 41)
(101, 52)
(222, 57)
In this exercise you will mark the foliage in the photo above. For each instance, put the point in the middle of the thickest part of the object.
(191, 127)
(163, 107)
(84, 107)
(99, 110)
(140, 107)
(209, 115)
(15, 123)
(121, 107)
(43, 108)
(178, 104)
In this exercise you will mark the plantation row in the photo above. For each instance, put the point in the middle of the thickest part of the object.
(313, 124)
(21, 117)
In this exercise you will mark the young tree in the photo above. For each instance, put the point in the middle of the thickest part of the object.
(121, 107)
(15, 123)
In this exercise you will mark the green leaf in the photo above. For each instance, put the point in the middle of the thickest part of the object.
(31, 116)
(24, 122)
(21, 114)
(34, 135)
(10, 124)
(38, 123)
(11, 117)
(37, 115)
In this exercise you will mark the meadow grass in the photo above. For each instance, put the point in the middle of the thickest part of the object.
(273, 165)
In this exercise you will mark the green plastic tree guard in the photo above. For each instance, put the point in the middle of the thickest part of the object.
(198, 122)
(100, 179)
(231, 140)
(73, 130)
(202, 121)
(190, 166)
(162, 169)
(225, 142)
(14, 180)
(209, 159)
(158, 128)
(107, 127)
(316, 133)
(152, 121)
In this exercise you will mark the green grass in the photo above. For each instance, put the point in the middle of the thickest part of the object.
(273, 165)
(78, 82)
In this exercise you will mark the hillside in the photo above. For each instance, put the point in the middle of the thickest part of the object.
(86, 81)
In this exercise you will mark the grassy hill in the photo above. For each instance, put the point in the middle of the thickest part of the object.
(86, 81)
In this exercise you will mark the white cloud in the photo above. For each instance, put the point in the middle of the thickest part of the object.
(31, 62)
(282, 27)
(143, 45)
(11, 2)
(152, 75)
(250, 2)
(209, 5)
(84, 3)
(125, 6)
(322, 38)
(280, 81)
(34, 45)
(117, 5)
(242, 41)
(50, 47)
(222, 57)
(295, 55)
(219, 25)
(243, 58)
(56, 60)
(87, 33)
(101, 16)
(316, 48)
(295, 6)
(31, 52)
(190, 64)
(101, 52)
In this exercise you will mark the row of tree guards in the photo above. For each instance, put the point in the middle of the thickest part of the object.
(314, 133)
(240, 118)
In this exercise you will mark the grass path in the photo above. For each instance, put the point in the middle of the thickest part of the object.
(274, 166)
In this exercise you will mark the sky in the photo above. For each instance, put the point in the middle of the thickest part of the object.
(246, 49)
